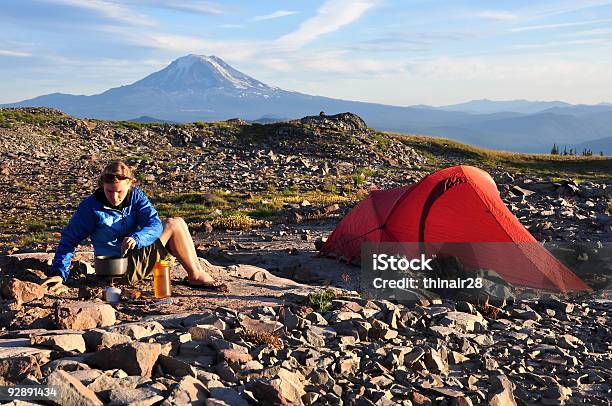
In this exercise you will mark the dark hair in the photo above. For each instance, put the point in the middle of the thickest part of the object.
(116, 168)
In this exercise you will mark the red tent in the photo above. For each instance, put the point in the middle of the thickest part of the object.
(460, 204)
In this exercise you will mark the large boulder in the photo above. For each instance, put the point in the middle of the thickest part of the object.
(175, 367)
(501, 392)
(134, 358)
(61, 342)
(136, 397)
(22, 291)
(285, 388)
(464, 321)
(84, 315)
(205, 333)
(14, 369)
(138, 330)
(189, 391)
(70, 391)
(97, 339)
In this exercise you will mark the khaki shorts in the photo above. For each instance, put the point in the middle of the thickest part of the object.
(142, 261)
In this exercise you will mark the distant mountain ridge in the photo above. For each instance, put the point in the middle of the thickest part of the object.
(485, 106)
(147, 119)
(205, 88)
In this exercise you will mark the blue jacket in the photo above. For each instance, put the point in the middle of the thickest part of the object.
(107, 228)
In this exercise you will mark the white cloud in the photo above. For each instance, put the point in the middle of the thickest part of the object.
(564, 7)
(559, 25)
(539, 45)
(331, 16)
(496, 15)
(525, 70)
(586, 33)
(226, 49)
(108, 9)
(203, 7)
(332, 62)
(8, 52)
(180, 45)
(276, 14)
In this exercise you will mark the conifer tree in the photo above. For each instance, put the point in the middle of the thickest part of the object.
(554, 150)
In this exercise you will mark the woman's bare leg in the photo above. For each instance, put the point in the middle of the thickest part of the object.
(177, 239)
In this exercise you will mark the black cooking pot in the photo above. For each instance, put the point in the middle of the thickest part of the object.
(110, 266)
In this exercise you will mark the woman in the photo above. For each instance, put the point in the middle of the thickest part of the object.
(119, 218)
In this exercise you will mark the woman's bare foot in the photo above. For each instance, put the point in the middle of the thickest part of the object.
(202, 279)
(209, 285)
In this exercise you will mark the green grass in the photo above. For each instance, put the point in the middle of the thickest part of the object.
(238, 222)
(61, 222)
(36, 238)
(204, 199)
(132, 125)
(321, 300)
(360, 175)
(329, 187)
(145, 158)
(198, 207)
(224, 125)
(8, 117)
(585, 168)
(262, 212)
(188, 211)
(382, 141)
(577, 180)
(36, 226)
(290, 191)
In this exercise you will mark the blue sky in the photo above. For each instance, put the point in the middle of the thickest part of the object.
(387, 51)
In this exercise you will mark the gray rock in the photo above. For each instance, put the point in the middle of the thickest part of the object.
(84, 315)
(134, 358)
(22, 291)
(86, 376)
(175, 367)
(205, 333)
(501, 392)
(465, 321)
(381, 331)
(289, 319)
(138, 330)
(227, 395)
(61, 342)
(97, 339)
(16, 368)
(70, 391)
(135, 397)
(436, 361)
(413, 356)
(188, 391)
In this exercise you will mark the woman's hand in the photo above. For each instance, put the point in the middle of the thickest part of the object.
(128, 243)
(53, 284)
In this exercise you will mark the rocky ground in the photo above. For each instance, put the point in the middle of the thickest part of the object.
(287, 346)
(293, 329)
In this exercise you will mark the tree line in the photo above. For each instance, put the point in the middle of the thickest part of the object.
(572, 151)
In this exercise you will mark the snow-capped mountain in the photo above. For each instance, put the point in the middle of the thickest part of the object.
(197, 73)
(191, 88)
(205, 88)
